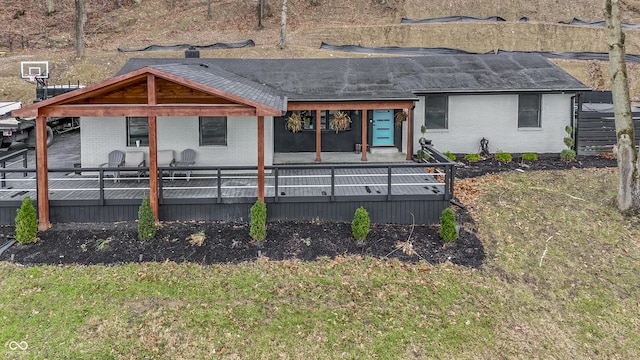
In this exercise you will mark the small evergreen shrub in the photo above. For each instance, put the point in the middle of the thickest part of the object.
(472, 157)
(360, 224)
(529, 157)
(147, 226)
(568, 140)
(567, 155)
(448, 231)
(503, 157)
(26, 222)
(450, 155)
(258, 228)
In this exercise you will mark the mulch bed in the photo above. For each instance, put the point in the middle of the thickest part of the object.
(117, 243)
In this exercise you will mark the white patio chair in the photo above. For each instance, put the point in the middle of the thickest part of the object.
(134, 160)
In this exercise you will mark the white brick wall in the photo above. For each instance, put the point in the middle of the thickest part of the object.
(495, 117)
(101, 135)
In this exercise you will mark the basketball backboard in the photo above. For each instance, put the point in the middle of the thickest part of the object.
(34, 70)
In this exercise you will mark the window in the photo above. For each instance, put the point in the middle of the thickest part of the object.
(213, 130)
(309, 119)
(529, 111)
(137, 131)
(435, 114)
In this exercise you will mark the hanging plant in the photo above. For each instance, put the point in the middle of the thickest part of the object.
(294, 122)
(399, 117)
(340, 121)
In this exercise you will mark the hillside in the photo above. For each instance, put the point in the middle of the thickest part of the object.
(124, 24)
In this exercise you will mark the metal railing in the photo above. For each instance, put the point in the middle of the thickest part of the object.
(313, 182)
(11, 160)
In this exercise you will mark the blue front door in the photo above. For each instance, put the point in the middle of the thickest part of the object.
(382, 128)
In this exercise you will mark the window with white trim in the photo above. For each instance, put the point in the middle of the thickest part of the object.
(137, 131)
(435, 111)
(213, 130)
(529, 106)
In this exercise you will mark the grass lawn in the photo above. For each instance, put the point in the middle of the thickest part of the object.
(560, 281)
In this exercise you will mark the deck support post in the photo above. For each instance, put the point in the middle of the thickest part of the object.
(261, 158)
(318, 137)
(42, 173)
(365, 127)
(153, 147)
(409, 133)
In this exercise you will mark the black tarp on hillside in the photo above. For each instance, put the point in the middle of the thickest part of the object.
(246, 43)
(441, 51)
(574, 21)
(450, 19)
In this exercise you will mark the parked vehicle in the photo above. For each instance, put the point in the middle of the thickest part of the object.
(17, 130)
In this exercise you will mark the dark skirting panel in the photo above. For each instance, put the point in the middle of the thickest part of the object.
(391, 212)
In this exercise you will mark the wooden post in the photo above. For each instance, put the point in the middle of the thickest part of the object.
(261, 158)
(153, 147)
(365, 127)
(42, 173)
(318, 137)
(409, 133)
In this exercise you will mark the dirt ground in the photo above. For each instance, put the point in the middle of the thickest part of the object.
(116, 243)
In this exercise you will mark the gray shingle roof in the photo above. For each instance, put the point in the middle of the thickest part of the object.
(217, 78)
(385, 78)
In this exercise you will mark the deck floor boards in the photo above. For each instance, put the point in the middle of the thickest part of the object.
(291, 182)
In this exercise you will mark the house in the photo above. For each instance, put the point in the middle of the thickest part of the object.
(230, 110)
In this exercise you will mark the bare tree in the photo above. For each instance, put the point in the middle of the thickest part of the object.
(263, 6)
(50, 8)
(283, 24)
(629, 178)
(81, 19)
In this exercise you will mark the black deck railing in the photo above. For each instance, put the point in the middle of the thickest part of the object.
(207, 184)
(11, 160)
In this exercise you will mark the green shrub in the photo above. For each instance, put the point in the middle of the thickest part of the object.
(567, 155)
(472, 157)
(360, 224)
(529, 157)
(568, 141)
(258, 228)
(423, 154)
(26, 222)
(503, 157)
(448, 230)
(450, 155)
(147, 226)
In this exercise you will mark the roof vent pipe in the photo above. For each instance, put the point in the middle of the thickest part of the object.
(192, 53)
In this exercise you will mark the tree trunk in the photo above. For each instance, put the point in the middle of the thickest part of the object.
(283, 25)
(81, 19)
(50, 8)
(260, 13)
(208, 9)
(629, 179)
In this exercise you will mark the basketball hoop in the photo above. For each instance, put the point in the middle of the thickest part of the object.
(31, 78)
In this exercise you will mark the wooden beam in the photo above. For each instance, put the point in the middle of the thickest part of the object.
(347, 105)
(261, 158)
(42, 173)
(409, 133)
(318, 137)
(365, 128)
(153, 148)
(151, 110)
